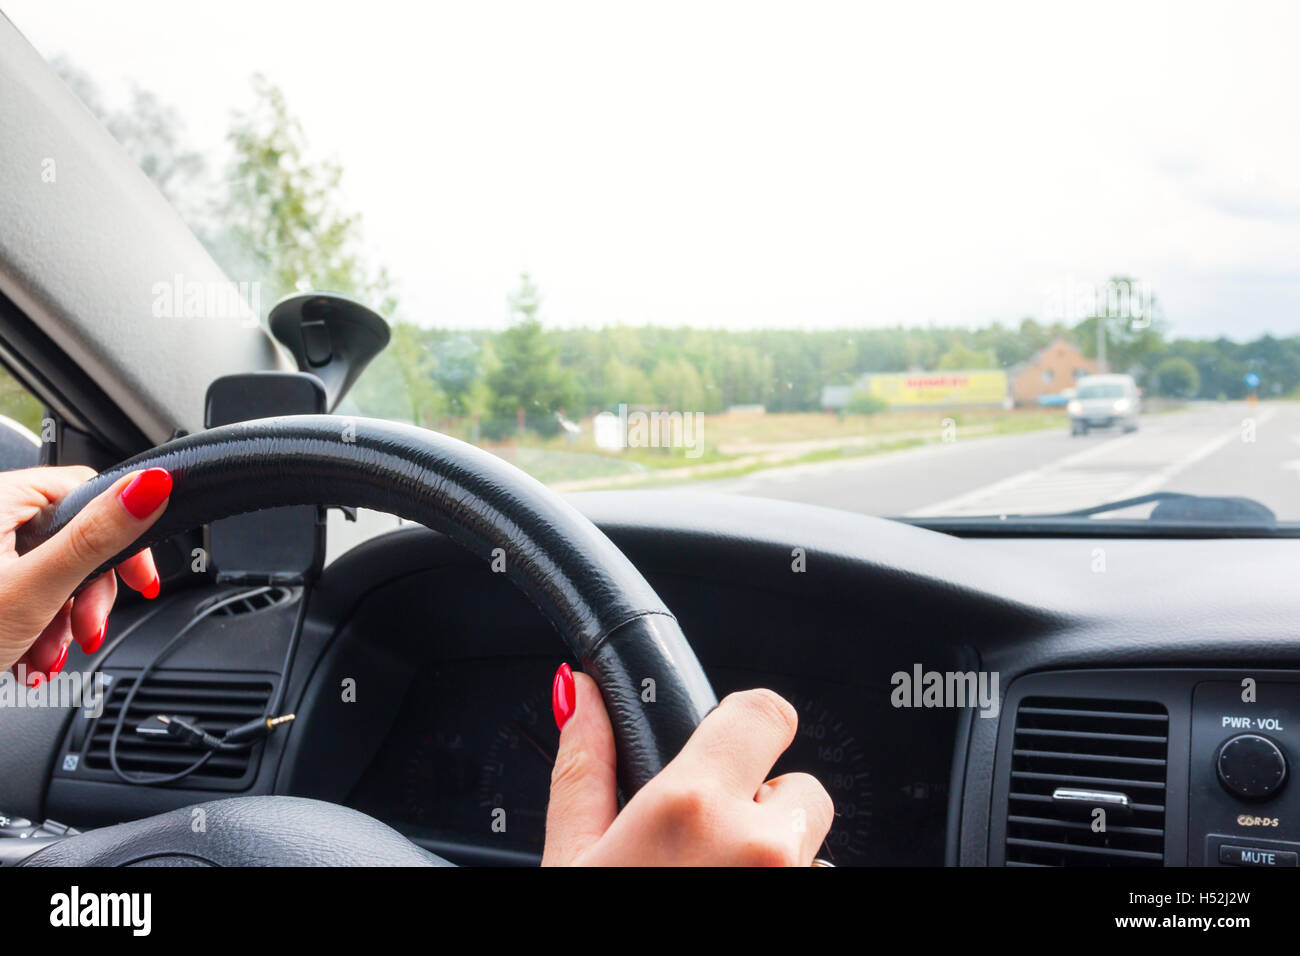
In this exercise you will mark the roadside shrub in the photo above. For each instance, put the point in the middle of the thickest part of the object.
(1176, 377)
(865, 403)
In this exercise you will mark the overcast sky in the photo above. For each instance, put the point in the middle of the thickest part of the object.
(790, 164)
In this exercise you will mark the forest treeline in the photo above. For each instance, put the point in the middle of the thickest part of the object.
(430, 374)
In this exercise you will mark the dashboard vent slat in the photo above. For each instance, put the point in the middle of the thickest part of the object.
(1114, 715)
(274, 597)
(1058, 755)
(1087, 744)
(217, 701)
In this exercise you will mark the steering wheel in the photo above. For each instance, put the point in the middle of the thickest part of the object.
(607, 613)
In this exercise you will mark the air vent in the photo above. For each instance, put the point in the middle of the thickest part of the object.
(257, 602)
(216, 701)
(1110, 747)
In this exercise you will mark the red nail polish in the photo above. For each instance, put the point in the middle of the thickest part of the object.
(97, 641)
(34, 678)
(149, 490)
(563, 699)
(59, 661)
(152, 589)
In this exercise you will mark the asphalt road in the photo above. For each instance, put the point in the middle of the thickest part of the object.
(1210, 448)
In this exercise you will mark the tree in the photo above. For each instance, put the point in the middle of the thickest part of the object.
(960, 357)
(625, 384)
(459, 367)
(281, 216)
(477, 399)
(277, 222)
(678, 386)
(280, 225)
(529, 379)
(1134, 325)
(1177, 378)
(400, 383)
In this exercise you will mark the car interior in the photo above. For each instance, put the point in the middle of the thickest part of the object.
(406, 597)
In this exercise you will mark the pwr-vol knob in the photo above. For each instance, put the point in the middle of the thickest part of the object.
(1251, 767)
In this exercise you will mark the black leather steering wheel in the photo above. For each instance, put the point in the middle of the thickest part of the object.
(605, 610)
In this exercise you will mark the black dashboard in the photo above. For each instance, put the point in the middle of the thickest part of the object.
(466, 769)
(422, 683)
(463, 740)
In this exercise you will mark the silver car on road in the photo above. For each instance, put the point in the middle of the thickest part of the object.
(1103, 401)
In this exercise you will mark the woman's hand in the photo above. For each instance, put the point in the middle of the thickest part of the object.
(712, 805)
(39, 618)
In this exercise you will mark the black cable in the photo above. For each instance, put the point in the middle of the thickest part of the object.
(272, 717)
(237, 738)
(287, 668)
(158, 658)
(116, 642)
(139, 682)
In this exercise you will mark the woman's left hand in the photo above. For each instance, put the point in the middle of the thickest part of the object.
(38, 616)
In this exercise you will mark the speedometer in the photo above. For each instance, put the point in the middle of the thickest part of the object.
(825, 748)
(515, 779)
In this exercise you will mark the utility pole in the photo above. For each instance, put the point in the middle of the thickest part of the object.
(1101, 344)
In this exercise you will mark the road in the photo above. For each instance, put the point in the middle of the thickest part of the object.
(1210, 448)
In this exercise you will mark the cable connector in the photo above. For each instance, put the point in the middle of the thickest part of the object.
(256, 729)
(190, 733)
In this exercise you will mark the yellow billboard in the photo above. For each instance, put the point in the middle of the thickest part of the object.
(932, 389)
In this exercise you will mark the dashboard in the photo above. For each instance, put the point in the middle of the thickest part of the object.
(466, 769)
(456, 752)
(422, 682)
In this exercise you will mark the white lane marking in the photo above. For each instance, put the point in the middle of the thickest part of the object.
(1202, 451)
(996, 489)
(1140, 463)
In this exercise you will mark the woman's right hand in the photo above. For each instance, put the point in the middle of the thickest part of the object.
(711, 806)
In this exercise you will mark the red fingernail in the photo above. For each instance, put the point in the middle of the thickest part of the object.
(152, 588)
(149, 489)
(95, 642)
(563, 700)
(34, 678)
(59, 661)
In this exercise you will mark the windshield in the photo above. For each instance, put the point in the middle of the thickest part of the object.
(1102, 391)
(861, 257)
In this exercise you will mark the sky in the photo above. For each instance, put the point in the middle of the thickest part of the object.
(734, 165)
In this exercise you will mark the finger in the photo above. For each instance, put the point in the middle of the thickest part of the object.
(139, 573)
(52, 483)
(799, 801)
(739, 741)
(584, 788)
(90, 612)
(107, 525)
(35, 488)
(49, 651)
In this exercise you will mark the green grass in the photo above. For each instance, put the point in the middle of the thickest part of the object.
(733, 448)
(672, 477)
